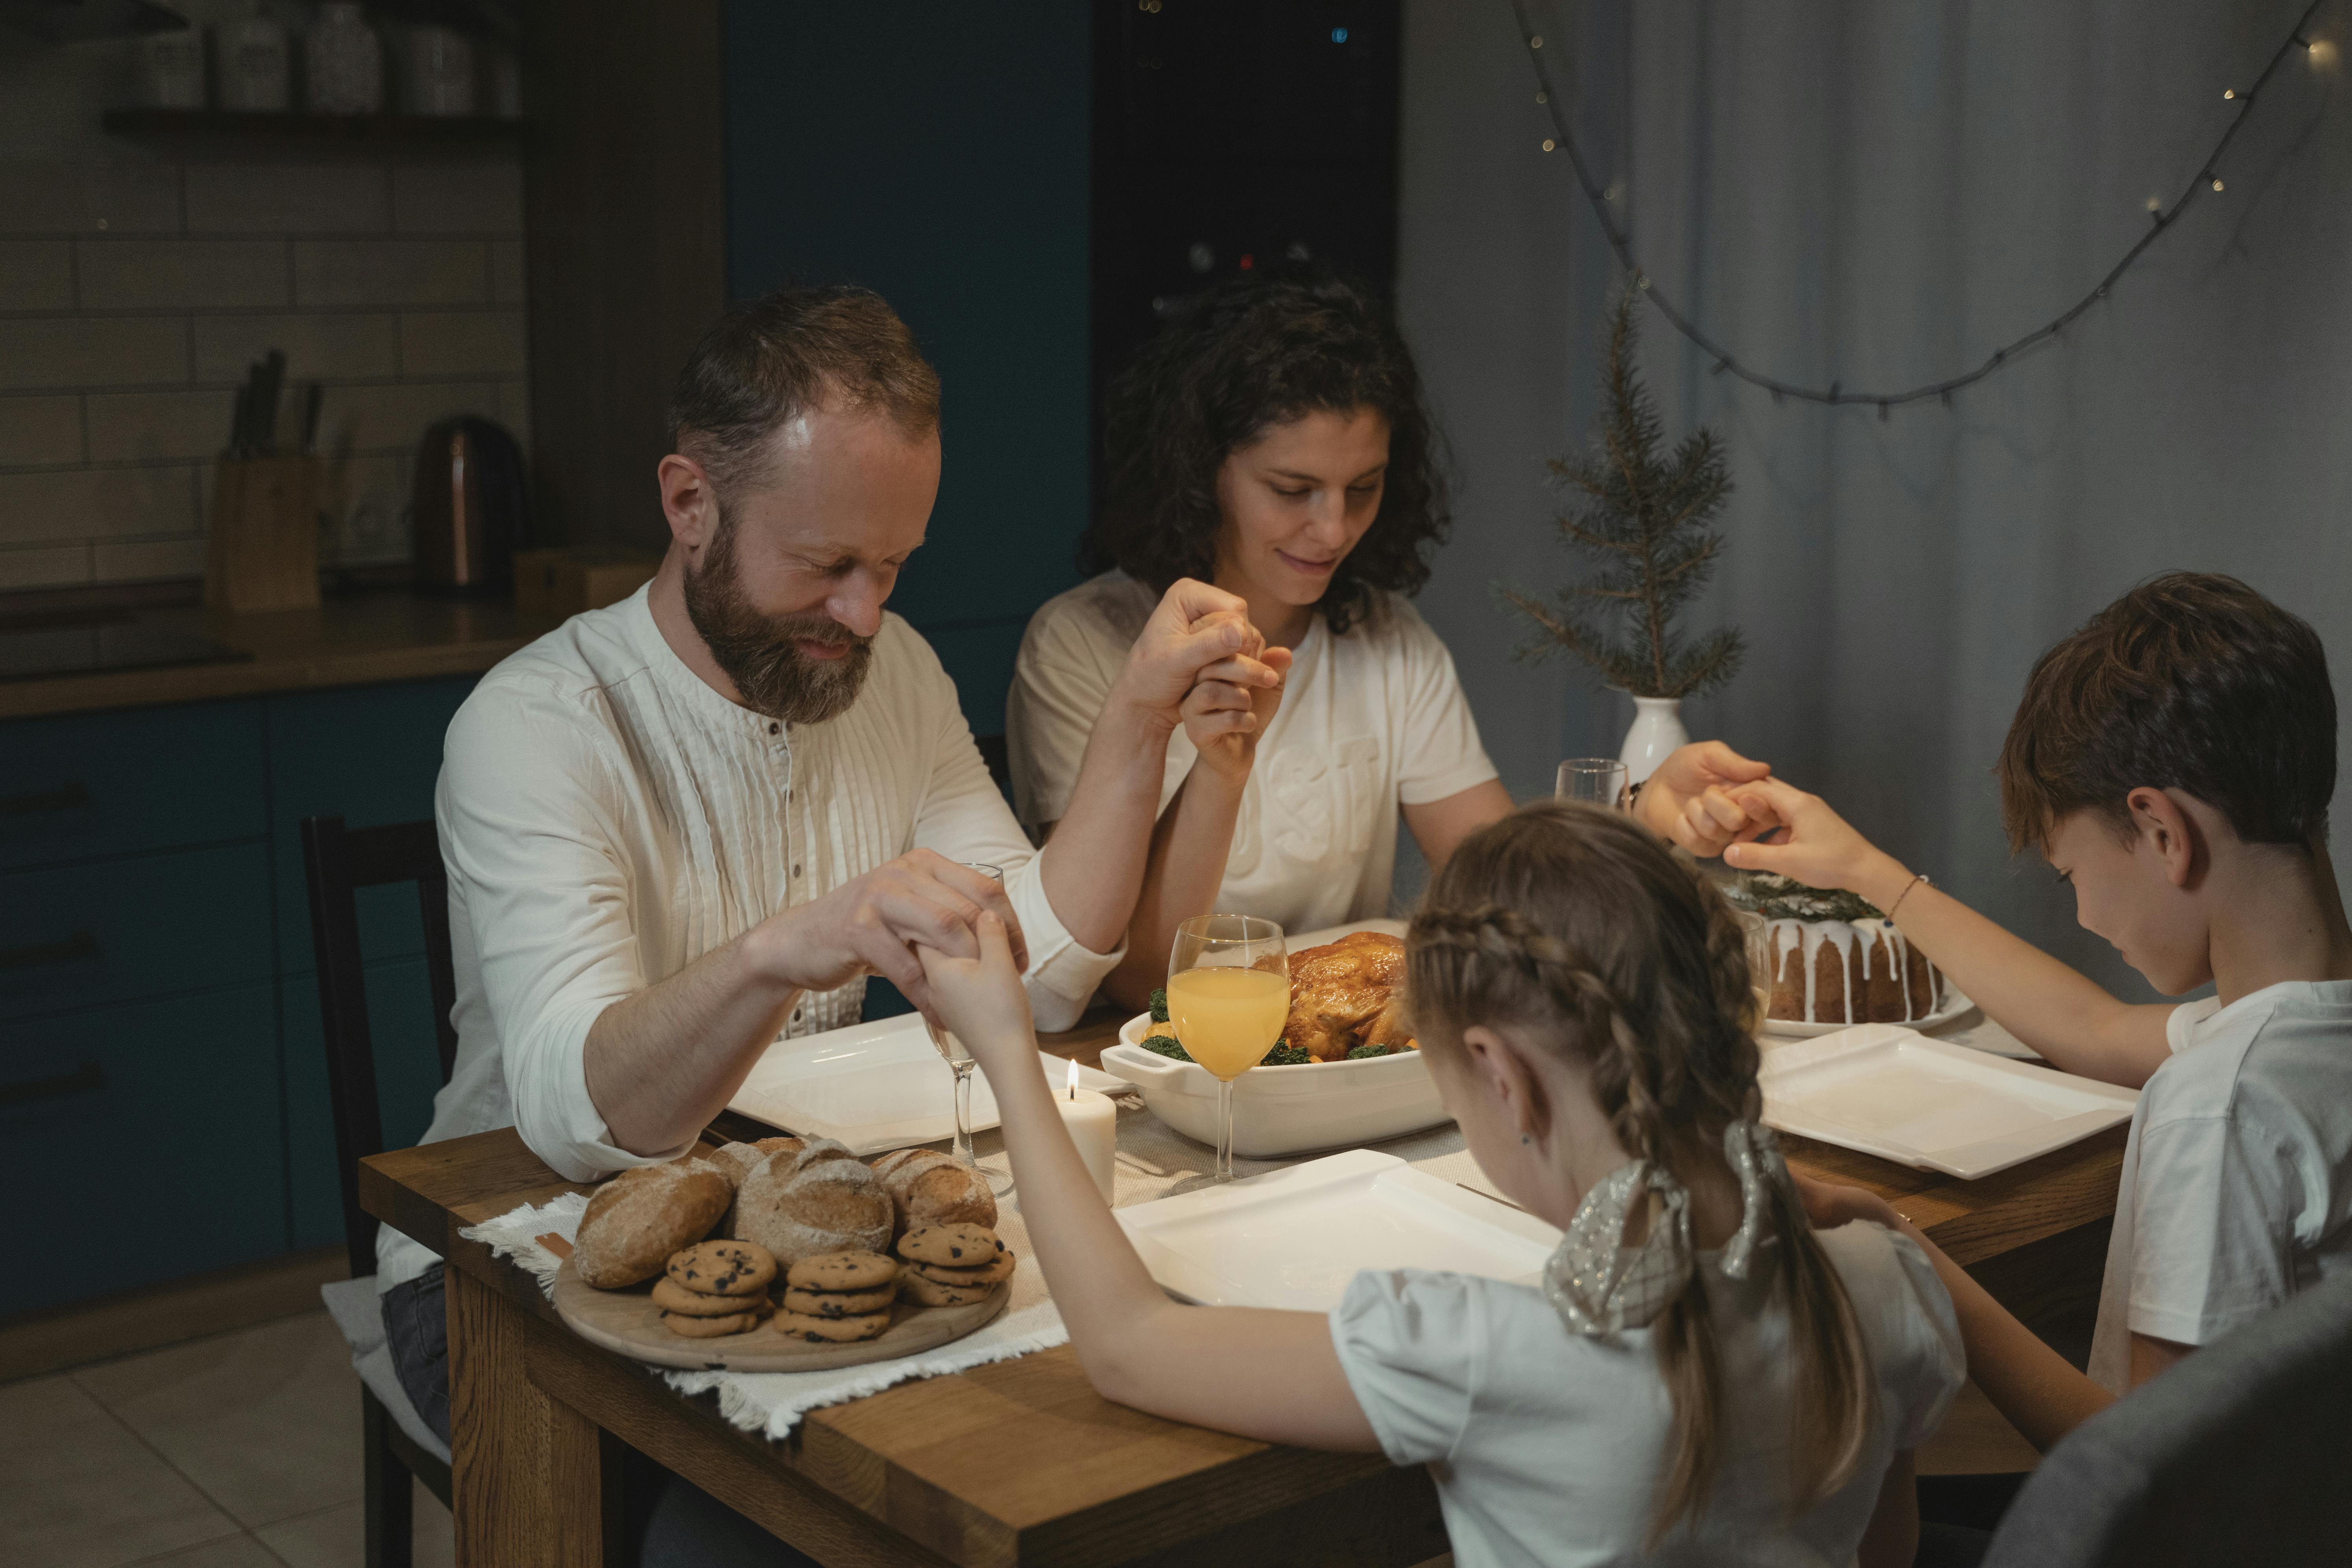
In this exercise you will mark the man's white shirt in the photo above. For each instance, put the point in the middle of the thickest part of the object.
(607, 818)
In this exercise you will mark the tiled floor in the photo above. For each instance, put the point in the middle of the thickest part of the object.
(239, 1451)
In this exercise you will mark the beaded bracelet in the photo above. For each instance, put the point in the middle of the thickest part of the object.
(1917, 877)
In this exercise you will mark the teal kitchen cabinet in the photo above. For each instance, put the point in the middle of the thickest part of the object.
(156, 976)
(407, 1075)
(84, 785)
(369, 755)
(146, 1142)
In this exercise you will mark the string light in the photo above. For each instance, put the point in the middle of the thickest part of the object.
(1620, 243)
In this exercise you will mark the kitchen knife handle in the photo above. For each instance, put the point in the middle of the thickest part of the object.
(36, 803)
(72, 949)
(83, 1080)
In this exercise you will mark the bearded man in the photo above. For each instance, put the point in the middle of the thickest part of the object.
(680, 825)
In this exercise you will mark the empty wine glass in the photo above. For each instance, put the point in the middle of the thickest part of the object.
(1228, 999)
(960, 1061)
(1600, 781)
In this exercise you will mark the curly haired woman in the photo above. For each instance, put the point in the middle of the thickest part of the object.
(1271, 441)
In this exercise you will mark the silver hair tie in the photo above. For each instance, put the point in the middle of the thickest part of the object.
(1599, 1286)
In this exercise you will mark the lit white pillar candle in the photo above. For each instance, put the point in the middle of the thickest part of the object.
(1093, 1122)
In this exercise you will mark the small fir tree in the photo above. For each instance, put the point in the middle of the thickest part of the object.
(1643, 517)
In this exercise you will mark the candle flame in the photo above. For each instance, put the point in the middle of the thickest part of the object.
(1074, 1078)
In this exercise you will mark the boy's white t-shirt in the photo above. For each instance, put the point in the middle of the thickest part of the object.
(1369, 721)
(2237, 1179)
(1547, 1446)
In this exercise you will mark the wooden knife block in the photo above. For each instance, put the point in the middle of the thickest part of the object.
(263, 551)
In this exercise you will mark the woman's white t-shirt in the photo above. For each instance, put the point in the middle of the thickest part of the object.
(1369, 720)
(1547, 1446)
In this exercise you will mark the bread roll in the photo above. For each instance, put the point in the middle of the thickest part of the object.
(739, 1160)
(928, 1188)
(639, 1217)
(819, 1198)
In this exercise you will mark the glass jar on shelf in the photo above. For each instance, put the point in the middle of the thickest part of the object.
(342, 62)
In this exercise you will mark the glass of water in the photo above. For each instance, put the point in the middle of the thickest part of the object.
(960, 1061)
(1598, 781)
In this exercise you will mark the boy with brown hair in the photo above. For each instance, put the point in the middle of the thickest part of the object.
(2173, 759)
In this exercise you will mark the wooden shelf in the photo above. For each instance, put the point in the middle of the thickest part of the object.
(219, 122)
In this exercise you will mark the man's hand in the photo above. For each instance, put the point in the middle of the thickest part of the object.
(872, 924)
(1228, 711)
(980, 996)
(1821, 848)
(1196, 627)
(1689, 800)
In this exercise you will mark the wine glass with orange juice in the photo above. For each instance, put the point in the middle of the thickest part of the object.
(1228, 999)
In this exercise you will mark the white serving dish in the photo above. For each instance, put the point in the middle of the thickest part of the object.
(875, 1086)
(1294, 1237)
(1891, 1091)
(1956, 1003)
(1285, 1110)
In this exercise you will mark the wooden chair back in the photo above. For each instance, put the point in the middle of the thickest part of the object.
(337, 862)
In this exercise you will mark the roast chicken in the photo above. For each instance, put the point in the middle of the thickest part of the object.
(1348, 994)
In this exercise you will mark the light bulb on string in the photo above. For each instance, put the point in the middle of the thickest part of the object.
(2321, 53)
(2227, 93)
(2217, 181)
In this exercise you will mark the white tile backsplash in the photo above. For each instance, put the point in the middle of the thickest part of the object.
(345, 346)
(147, 560)
(88, 198)
(458, 198)
(40, 430)
(36, 275)
(462, 342)
(46, 566)
(151, 427)
(283, 199)
(77, 505)
(64, 352)
(391, 272)
(134, 294)
(180, 274)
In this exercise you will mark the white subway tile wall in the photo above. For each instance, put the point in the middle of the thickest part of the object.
(132, 297)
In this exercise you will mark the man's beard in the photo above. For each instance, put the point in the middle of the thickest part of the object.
(757, 652)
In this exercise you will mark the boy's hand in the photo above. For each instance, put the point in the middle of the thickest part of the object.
(1829, 1206)
(981, 1000)
(1820, 848)
(1690, 798)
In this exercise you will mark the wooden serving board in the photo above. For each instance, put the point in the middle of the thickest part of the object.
(629, 1323)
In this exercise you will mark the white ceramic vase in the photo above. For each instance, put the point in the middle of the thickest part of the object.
(1657, 733)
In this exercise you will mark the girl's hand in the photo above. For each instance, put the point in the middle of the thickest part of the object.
(981, 1000)
(1829, 1206)
(1230, 706)
(1690, 799)
(1820, 848)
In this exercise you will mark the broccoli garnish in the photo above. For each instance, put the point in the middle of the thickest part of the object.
(1286, 1055)
(1159, 1005)
(1166, 1046)
(1360, 1052)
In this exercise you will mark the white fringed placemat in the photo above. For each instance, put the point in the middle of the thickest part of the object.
(1154, 1161)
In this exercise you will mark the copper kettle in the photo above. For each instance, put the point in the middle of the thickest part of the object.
(470, 513)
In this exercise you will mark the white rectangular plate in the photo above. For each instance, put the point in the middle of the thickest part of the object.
(1294, 1237)
(1893, 1092)
(875, 1086)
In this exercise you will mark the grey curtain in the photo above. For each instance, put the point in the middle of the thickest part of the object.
(1878, 193)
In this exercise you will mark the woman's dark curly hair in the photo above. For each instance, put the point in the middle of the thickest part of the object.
(1238, 359)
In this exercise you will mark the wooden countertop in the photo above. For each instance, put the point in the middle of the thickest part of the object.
(355, 640)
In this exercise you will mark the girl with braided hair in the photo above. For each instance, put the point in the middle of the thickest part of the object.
(1699, 1378)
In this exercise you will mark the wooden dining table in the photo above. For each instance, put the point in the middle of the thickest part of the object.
(1021, 1462)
